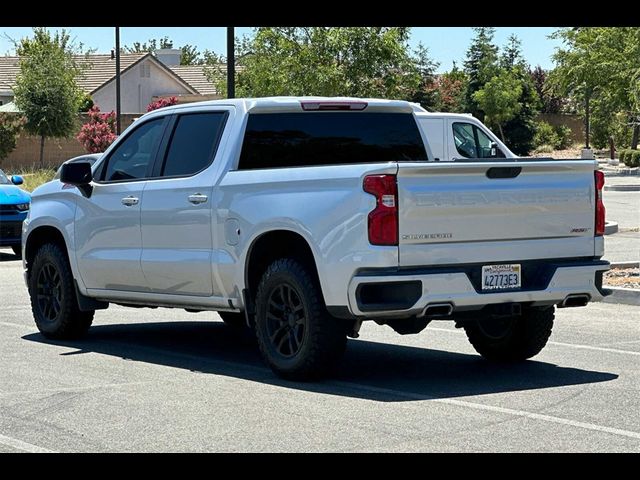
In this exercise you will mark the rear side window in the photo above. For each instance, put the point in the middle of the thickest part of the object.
(303, 139)
(193, 143)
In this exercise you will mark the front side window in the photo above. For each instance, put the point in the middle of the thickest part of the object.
(303, 139)
(193, 143)
(4, 180)
(465, 140)
(130, 159)
(472, 142)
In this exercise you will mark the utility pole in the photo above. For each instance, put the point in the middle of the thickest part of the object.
(118, 81)
(231, 63)
(587, 119)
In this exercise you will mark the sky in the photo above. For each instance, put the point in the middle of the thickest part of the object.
(446, 44)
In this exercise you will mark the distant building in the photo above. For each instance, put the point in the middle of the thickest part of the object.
(144, 78)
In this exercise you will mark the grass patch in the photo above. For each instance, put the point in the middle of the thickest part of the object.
(34, 177)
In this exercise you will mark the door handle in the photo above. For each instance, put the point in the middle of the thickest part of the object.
(197, 198)
(503, 172)
(130, 201)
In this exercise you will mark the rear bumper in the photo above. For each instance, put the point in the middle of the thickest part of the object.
(544, 283)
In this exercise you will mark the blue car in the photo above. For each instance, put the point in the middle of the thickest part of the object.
(14, 206)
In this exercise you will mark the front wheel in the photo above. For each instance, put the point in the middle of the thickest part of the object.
(511, 339)
(297, 337)
(53, 297)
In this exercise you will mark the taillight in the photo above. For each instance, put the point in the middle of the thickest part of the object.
(383, 220)
(600, 210)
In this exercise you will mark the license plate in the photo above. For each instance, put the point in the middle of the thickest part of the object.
(501, 277)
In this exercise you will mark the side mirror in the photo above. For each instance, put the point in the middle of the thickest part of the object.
(78, 174)
(494, 149)
(17, 180)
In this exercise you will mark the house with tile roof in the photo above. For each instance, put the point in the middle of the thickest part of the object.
(143, 78)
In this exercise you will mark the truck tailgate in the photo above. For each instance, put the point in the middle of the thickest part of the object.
(482, 211)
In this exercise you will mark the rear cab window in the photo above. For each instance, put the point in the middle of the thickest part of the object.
(193, 143)
(303, 139)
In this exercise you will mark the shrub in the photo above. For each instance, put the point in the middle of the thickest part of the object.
(631, 158)
(564, 136)
(10, 126)
(163, 102)
(86, 104)
(545, 135)
(622, 155)
(100, 132)
(544, 149)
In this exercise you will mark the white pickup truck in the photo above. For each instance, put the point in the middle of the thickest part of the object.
(303, 217)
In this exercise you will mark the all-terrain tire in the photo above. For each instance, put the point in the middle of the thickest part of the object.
(297, 337)
(53, 296)
(513, 339)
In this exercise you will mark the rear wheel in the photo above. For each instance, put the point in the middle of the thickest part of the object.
(233, 319)
(297, 337)
(511, 339)
(53, 297)
(17, 250)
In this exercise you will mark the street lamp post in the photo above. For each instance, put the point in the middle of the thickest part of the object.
(231, 63)
(117, 80)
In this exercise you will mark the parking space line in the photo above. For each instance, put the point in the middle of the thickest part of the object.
(24, 446)
(494, 409)
(560, 344)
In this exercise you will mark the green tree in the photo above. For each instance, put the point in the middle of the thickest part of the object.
(149, 46)
(427, 92)
(600, 68)
(511, 55)
(480, 66)
(452, 87)
(46, 89)
(498, 99)
(189, 54)
(331, 61)
(10, 126)
(520, 130)
(550, 102)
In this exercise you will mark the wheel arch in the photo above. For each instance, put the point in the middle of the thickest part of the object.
(40, 236)
(271, 245)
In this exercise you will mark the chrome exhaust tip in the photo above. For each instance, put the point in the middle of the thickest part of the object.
(437, 310)
(575, 300)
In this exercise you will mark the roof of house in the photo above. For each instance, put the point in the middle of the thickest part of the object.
(194, 76)
(102, 70)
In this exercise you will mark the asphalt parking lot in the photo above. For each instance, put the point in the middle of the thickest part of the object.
(168, 380)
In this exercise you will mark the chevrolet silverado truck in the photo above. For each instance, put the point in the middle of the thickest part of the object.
(303, 217)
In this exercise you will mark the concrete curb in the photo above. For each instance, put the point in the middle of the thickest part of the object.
(631, 264)
(610, 228)
(623, 188)
(626, 296)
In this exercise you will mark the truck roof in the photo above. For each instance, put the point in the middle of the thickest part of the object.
(294, 104)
